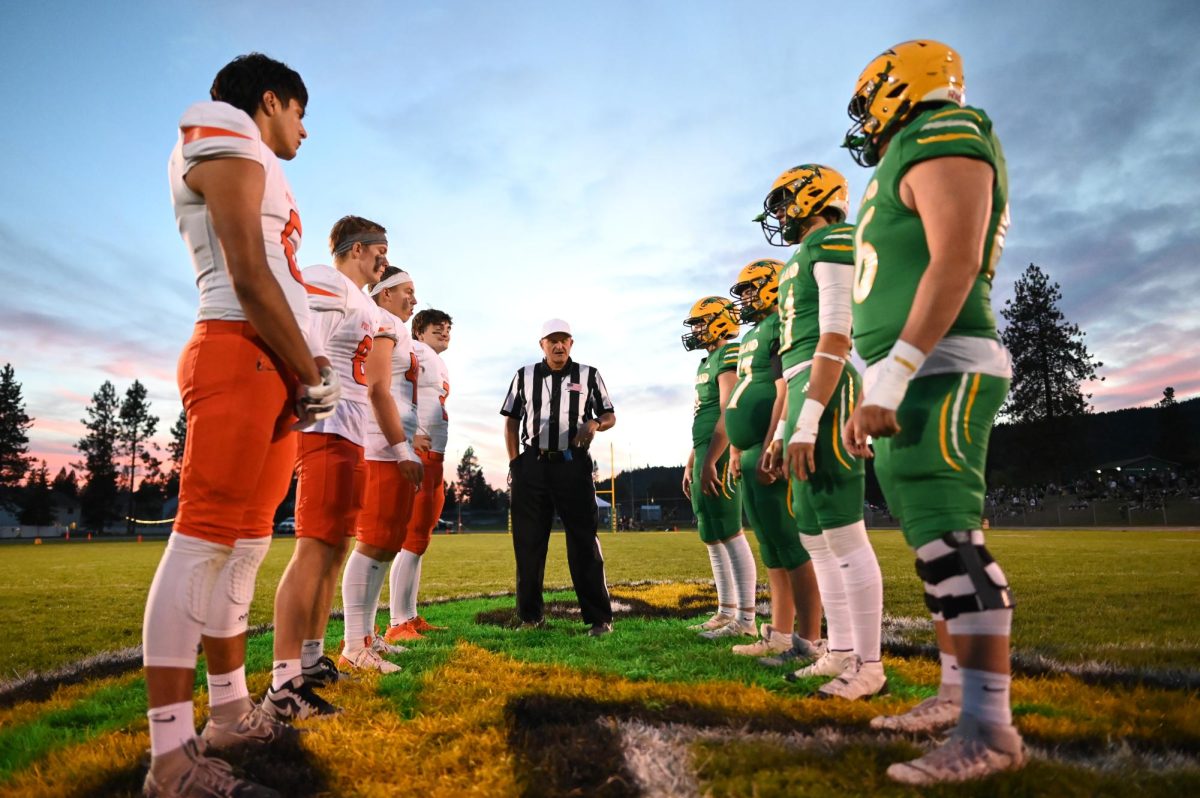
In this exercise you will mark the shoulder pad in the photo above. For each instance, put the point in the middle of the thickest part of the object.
(211, 130)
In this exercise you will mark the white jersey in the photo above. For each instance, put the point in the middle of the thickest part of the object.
(214, 130)
(433, 387)
(405, 371)
(343, 319)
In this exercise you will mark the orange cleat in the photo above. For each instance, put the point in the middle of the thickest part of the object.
(404, 631)
(422, 625)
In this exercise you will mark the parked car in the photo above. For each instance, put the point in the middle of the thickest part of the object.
(287, 526)
(444, 526)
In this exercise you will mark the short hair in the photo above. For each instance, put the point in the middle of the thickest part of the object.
(428, 318)
(349, 226)
(242, 82)
(388, 271)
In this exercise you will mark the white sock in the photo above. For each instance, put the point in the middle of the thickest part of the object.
(404, 569)
(986, 696)
(311, 651)
(376, 578)
(951, 686)
(283, 671)
(745, 576)
(170, 727)
(414, 587)
(356, 583)
(863, 583)
(833, 597)
(723, 579)
(226, 687)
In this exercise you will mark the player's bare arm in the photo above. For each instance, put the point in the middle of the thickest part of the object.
(379, 391)
(687, 474)
(953, 197)
(710, 482)
(771, 460)
(233, 192)
(828, 364)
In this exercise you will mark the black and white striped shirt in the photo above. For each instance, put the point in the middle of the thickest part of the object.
(554, 405)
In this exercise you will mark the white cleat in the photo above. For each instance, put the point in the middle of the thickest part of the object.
(859, 680)
(831, 663)
(384, 648)
(931, 716)
(366, 659)
(771, 642)
(734, 628)
(715, 622)
(974, 751)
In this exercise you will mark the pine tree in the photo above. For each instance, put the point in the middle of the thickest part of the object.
(1050, 360)
(14, 438)
(137, 424)
(99, 449)
(1168, 398)
(65, 483)
(37, 507)
(175, 449)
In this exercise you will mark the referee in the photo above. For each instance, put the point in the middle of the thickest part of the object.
(554, 408)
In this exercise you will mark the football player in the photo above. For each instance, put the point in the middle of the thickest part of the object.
(394, 473)
(807, 205)
(245, 376)
(431, 329)
(751, 415)
(330, 470)
(715, 497)
(929, 235)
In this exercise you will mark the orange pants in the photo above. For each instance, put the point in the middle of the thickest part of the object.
(237, 463)
(329, 492)
(428, 505)
(387, 504)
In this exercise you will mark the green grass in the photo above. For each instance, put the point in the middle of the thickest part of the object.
(1122, 597)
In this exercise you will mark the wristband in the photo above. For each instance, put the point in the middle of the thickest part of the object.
(778, 434)
(808, 423)
(895, 372)
(404, 451)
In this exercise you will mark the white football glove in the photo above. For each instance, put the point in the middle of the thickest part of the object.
(315, 402)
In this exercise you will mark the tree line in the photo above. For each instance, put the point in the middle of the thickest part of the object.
(120, 472)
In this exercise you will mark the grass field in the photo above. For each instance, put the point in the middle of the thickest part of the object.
(1107, 651)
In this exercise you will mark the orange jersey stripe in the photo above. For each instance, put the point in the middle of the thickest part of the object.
(312, 289)
(191, 134)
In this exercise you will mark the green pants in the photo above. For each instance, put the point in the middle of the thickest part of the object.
(932, 472)
(770, 517)
(718, 517)
(832, 496)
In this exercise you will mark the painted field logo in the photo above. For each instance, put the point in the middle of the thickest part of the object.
(651, 710)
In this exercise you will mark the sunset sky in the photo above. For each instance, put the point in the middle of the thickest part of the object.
(597, 161)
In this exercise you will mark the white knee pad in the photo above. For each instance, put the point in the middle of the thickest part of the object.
(986, 622)
(229, 604)
(178, 604)
(844, 540)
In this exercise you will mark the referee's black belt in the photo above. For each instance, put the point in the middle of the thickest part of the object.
(555, 456)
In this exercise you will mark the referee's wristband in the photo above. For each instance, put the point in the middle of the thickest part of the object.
(403, 451)
(808, 423)
(895, 372)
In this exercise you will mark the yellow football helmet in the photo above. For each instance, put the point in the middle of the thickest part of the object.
(711, 321)
(893, 85)
(799, 193)
(757, 289)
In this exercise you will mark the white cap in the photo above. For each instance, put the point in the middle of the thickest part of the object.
(555, 326)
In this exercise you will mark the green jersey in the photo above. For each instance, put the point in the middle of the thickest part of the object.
(748, 413)
(708, 393)
(799, 308)
(890, 252)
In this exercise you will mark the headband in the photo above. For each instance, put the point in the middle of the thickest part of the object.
(391, 282)
(370, 237)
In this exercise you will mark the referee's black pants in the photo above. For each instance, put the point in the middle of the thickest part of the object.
(539, 488)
